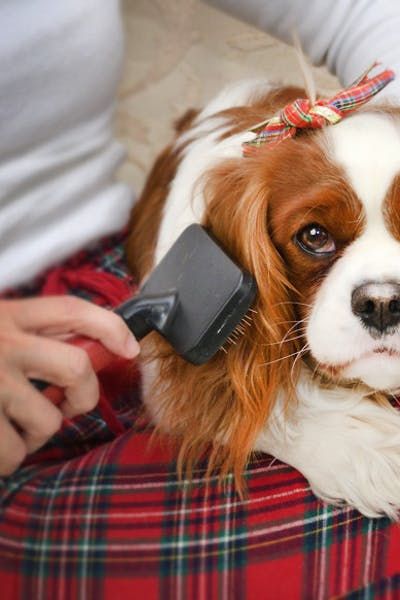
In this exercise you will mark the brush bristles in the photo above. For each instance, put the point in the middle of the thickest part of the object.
(238, 332)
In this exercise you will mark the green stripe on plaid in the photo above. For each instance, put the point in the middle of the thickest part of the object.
(387, 588)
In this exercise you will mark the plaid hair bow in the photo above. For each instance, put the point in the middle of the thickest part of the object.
(302, 114)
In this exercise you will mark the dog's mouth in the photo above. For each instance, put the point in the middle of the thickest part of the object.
(384, 350)
(337, 369)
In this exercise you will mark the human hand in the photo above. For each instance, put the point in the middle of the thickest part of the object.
(32, 345)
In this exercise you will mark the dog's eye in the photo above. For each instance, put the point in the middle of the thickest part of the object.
(315, 240)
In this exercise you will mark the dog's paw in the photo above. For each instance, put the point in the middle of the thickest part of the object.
(348, 456)
(359, 465)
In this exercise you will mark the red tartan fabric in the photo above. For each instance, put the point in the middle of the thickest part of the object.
(100, 516)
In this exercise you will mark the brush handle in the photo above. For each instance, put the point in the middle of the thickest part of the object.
(142, 314)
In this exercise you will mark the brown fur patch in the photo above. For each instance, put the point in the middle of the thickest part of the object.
(392, 208)
(306, 188)
(264, 106)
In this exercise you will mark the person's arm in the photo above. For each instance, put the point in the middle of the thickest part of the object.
(32, 346)
(346, 35)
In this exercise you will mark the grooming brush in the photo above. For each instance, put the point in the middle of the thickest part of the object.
(196, 298)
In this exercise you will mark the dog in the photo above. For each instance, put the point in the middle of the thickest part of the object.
(316, 219)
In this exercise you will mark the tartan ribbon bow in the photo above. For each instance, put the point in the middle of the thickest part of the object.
(302, 114)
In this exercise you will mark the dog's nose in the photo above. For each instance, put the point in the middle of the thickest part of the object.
(377, 305)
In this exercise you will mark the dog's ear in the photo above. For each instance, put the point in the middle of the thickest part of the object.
(223, 404)
(262, 361)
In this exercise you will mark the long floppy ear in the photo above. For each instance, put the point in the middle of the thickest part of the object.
(263, 361)
(220, 407)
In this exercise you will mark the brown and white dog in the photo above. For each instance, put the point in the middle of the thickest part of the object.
(316, 220)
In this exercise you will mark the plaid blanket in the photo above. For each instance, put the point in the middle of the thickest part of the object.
(96, 515)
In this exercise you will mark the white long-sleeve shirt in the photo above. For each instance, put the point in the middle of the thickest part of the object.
(60, 64)
(346, 35)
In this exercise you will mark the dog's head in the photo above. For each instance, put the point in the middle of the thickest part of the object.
(352, 325)
(316, 219)
(320, 228)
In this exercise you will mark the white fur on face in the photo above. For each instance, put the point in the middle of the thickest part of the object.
(367, 147)
(185, 202)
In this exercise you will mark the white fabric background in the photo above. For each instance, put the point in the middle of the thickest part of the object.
(179, 54)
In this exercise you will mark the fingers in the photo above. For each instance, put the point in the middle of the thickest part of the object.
(27, 350)
(67, 314)
(24, 408)
(27, 421)
(12, 448)
(63, 365)
(37, 418)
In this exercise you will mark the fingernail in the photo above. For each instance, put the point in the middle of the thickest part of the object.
(132, 347)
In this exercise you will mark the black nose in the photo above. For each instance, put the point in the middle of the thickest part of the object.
(377, 305)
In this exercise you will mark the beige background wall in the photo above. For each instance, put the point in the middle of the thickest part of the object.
(178, 54)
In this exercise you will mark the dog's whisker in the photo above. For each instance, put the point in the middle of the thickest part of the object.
(303, 350)
(292, 339)
(293, 327)
(283, 341)
(297, 322)
(271, 362)
(292, 321)
(301, 331)
(294, 333)
(289, 332)
(293, 302)
(287, 339)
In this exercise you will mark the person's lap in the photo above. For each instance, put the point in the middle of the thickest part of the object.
(100, 514)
